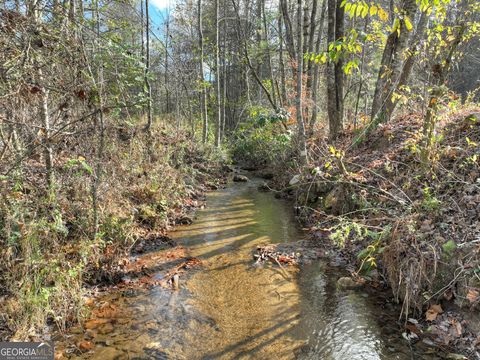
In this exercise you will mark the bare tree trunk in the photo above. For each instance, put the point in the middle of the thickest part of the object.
(167, 85)
(47, 145)
(224, 72)
(305, 26)
(218, 125)
(97, 175)
(283, 96)
(147, 69)
(203, 90)
(316, 70)
(408, 65)
(392, 60)
(310, 49)
(34, 13)
(339, 74)
(361, 81)
(300, 123)
(335, 76)
(268, 56)
(288, 29)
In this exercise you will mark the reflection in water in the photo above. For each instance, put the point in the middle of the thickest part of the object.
(258, 313)
(230, 309)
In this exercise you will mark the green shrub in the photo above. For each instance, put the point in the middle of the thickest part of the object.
(262, 141)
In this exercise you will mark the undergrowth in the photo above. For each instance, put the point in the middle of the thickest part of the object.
(48, 251)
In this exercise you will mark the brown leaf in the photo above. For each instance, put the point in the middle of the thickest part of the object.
(431, 315)
(472, 295)
(85, 345)
(95, 323)
(433, 312)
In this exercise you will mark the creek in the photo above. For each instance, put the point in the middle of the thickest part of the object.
(230, 309)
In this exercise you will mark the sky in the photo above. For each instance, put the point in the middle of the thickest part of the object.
(158, 13)
(160, 4)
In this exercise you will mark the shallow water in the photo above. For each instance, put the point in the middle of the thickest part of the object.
(230, 309)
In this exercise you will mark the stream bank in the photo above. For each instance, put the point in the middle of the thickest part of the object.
(399, 223)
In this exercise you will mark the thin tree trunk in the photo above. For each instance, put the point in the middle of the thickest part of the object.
(408, 64)
(300, 123)
(224, 72)
(392, 60)
(339, 74)
(268, 56)
(316, 70)
(288, 29)
(203, 90)
(218, 128)
(332, 108)
(147, 69)
(47, 145)
(310, 49)
(283, 86)
(97, 175)
(167, 86)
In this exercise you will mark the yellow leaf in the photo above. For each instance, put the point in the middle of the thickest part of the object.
(365, 11)
(408, 24)
(382, 14)
(352, 10)
(359, 10)
(373, 10)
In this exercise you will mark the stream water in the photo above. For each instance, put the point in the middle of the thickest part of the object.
(230, 309)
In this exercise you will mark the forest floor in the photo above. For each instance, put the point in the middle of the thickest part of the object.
(396, 222)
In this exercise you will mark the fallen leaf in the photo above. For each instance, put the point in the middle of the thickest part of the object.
(472, 295)
(431, 315)
(433, 312)
(95, 323)
(85, 345)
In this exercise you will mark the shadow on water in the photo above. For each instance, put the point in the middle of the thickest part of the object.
(230, 309)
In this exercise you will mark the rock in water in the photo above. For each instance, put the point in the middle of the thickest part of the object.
(240, 178)
(348, 283)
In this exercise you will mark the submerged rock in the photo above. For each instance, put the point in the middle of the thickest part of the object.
(107, 353)
(348, 283)
(240, 178)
